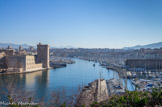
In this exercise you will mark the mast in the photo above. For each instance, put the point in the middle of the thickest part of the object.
(125, 80)
(113, 74)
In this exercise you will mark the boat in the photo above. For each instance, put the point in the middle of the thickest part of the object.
(134, 75)
(149, 72)
(57, 65)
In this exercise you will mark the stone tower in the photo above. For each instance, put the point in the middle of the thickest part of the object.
(43, 55)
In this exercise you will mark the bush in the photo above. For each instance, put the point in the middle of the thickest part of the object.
(133, 99)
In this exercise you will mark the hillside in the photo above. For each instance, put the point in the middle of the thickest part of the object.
(152, 46)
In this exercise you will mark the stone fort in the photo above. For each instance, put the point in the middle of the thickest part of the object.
(28, 63)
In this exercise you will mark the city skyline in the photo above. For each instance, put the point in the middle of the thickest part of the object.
(84, 23)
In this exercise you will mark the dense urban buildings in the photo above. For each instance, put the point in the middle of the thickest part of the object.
(117, 57)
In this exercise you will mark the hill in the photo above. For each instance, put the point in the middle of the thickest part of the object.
(152, 46)
(14, 46)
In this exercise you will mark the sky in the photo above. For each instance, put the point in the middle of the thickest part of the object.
(81, 23)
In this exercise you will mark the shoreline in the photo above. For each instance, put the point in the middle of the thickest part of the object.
(11, 73)
(55, 67)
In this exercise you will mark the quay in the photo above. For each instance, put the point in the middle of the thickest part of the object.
(122, 72)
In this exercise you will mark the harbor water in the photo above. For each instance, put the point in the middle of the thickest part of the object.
(70, 78)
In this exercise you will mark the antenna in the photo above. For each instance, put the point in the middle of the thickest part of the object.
(100, 75)
(108, 73)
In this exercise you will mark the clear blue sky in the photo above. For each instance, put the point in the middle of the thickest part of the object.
(81, 23)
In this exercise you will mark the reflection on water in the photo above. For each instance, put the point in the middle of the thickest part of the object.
(70, 77)
(36, 78)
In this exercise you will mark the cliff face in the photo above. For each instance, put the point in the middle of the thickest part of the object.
(94, 92)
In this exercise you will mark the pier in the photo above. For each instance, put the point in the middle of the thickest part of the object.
(117, 69)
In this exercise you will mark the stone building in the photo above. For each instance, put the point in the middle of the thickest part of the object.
(20, 48)
(149, 64)
(25, 62)
(22, 52)
(8, 51)
(43, 55)
(9, 47)
(2, 60)
(2, 54)
(31, 49)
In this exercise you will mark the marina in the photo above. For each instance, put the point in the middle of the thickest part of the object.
(115, 87)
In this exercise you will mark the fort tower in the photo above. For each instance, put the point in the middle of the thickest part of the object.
(43, 55)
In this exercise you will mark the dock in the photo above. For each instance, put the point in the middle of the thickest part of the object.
(114, 87)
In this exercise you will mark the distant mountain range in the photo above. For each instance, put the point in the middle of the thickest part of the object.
(14, 46)
(152, 46)
(67, 47)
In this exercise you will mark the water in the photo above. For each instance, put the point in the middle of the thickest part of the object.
(80, 73)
